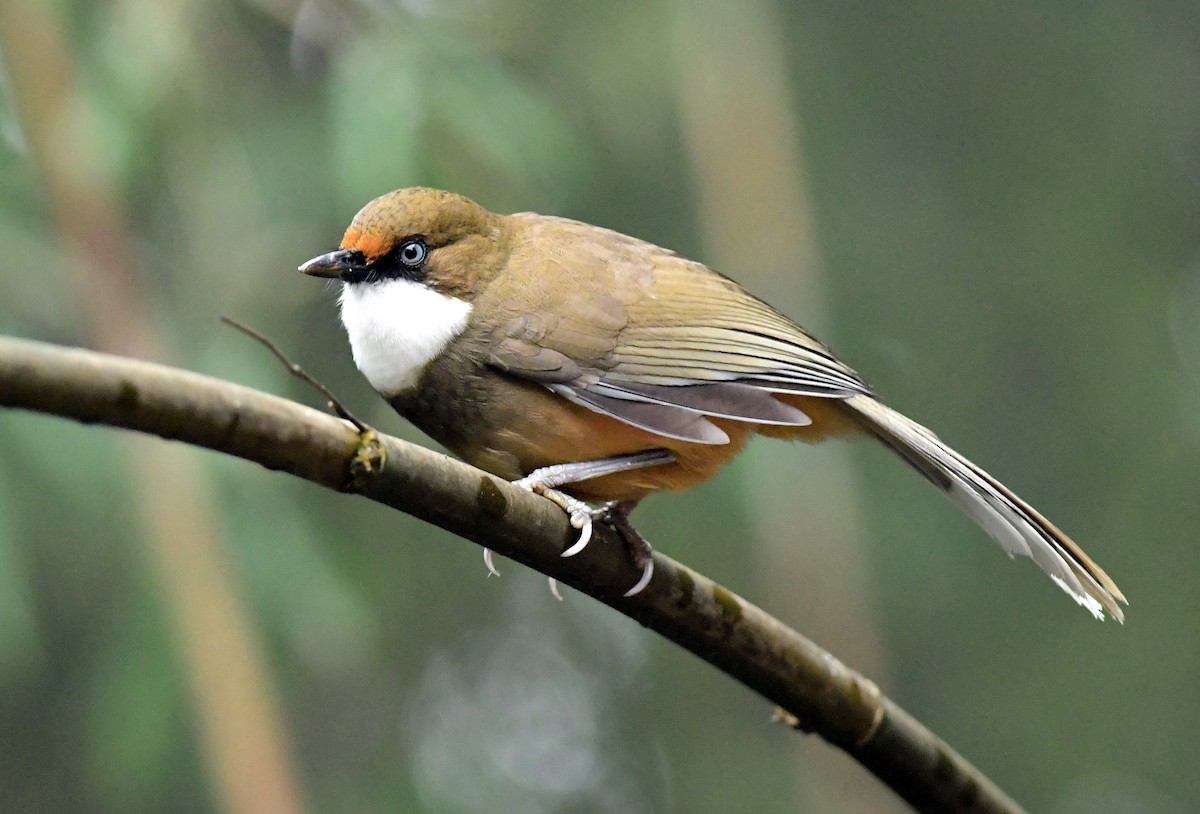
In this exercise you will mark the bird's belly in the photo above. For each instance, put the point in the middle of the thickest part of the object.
(510, 427)
(558, 431)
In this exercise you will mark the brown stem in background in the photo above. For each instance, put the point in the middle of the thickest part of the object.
(739, 123)
(238, 715)
(822, 694)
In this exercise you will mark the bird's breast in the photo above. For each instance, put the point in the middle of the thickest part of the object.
(397, 327)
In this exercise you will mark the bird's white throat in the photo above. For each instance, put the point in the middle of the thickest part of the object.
(397, 327)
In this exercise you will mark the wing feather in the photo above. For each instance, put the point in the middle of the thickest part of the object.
(654, 340)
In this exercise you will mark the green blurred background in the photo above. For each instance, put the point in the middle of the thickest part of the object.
(990, 210)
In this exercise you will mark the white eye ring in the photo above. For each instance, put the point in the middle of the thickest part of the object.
(413, 253)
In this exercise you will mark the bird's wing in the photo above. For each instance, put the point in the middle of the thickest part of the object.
(640, 334)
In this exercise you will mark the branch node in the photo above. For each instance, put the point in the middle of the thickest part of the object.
(368, 461)
(876, 695)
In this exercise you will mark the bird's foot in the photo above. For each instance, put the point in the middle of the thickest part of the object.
(544, 481)
(581, 516)
(491, 566)
(580, 513)
(494, 572)
(616, 514)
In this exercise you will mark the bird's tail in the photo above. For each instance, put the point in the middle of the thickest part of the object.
(1011, 521)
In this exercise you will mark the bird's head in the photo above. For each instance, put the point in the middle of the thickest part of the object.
(425, 236)
(412, 265)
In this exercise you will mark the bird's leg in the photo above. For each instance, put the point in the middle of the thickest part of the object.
(616, 514)
(549, 477)
(544, 481)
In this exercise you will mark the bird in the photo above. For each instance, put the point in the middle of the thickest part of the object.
(597, 368)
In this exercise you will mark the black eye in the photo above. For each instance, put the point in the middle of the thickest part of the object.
(412, 253)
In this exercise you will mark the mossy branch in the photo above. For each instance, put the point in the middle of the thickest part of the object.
(819, 693)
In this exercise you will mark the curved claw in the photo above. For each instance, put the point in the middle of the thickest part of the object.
(491, 566)
(647, 573)
(585, 536)
(554, 589)
(579, 513)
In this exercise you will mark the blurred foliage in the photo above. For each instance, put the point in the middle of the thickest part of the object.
(1006, 199)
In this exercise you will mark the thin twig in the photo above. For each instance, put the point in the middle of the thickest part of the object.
(336, 406)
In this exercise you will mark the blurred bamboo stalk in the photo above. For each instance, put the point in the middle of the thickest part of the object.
(235, 705)
(739, 122)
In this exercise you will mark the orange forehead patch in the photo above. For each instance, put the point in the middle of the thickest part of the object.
(372, 244)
